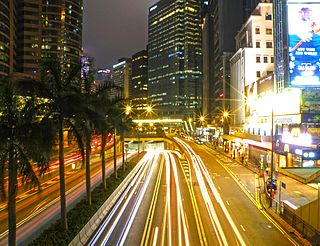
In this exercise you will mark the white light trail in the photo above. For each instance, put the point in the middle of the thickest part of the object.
(201, 173)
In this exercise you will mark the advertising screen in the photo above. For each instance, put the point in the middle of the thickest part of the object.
(304, 43)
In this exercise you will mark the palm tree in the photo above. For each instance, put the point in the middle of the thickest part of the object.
(64, 102)
(24, 136)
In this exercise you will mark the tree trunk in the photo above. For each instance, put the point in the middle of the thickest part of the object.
(115, 153)
(63, 206)
(122, 146)
(103, 159)
(88, 177)
(12, 197)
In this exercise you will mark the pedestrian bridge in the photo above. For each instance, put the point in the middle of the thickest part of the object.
(147, 141)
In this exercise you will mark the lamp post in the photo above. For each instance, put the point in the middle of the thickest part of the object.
(271, 164)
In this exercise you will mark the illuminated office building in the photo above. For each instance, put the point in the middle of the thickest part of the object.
(6, 37)
(221, 22)
(35, 29)
(121, 76)
(174, 63)
(139, 88)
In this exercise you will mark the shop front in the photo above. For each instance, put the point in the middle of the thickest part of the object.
(290, 155)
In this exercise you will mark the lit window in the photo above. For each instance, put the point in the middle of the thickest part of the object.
(269, 44)
(269, 31)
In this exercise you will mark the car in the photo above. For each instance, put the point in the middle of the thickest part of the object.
(199, 141)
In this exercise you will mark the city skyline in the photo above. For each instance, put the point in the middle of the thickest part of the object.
(122, 40)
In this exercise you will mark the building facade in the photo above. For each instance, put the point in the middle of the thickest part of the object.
(121, 76)
(253, 61)
(174, 62)
(139, 88)
(36, 29)
(7, 31)
(221, 31)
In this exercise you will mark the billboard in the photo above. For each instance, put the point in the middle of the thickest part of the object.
(304, 43)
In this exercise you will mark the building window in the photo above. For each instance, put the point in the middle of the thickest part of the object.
(269, 44)
(265, 59)
(269, 72)
(257, 30)
(258, 44)
(269, 31)
(272, 59)
(258, 60)
(258, 74)
(268, 16)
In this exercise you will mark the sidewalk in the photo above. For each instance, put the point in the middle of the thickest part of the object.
(295, 195)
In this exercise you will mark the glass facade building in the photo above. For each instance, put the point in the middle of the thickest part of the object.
(139, 88)
(6, 37)
(174, 63)
(31, 30)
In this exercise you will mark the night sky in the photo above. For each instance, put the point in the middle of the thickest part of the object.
(114, 28)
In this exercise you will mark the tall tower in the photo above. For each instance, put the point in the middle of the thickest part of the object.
(62, 30)
(37, 29)
(139, 88)
(226, 19)
(121, 75)
(174, 63)
(7, 31)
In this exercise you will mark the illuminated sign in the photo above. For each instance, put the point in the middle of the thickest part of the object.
(304, 43)
(313, 154)
(297, 138)
(153, 8)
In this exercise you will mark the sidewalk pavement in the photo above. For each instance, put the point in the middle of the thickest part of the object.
(295, 195)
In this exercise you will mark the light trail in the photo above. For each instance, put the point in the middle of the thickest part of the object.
(203, 176)
(147, 228)
(181, 213)
(140, 169)
(137, 204)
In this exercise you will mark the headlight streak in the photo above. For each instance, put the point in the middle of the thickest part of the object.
(147, 228)
(181, 213)
(168, 203)
(140, 168)
(211, 211)
(200, 229)
(137, 204)
(202, 170)
(220, 201)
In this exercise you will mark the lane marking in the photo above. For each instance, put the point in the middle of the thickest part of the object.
(242, 228)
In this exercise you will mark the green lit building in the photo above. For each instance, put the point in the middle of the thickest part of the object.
(174, 63)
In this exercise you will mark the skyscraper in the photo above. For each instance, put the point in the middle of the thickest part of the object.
(6, 37)
(223, 19)
(174, 63)
(37, 29)
(139, 88)
(121, 76)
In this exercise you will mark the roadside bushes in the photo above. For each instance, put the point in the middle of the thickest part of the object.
(82, 212)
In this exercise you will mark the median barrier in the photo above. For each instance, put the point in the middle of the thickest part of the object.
(87, 231)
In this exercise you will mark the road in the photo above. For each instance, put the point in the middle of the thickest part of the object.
(189, 199)
(238, 198)
(35, 209)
